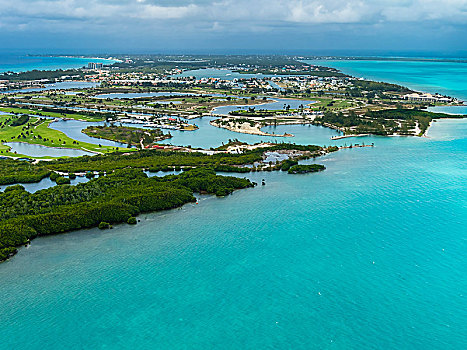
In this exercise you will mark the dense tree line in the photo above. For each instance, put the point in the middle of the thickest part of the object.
(150, 159)
(160, 158)
(231, 169)
(401, 113)
(124, 134)
(40, 74)
(303, 169)
(13, 171)
(287, 164)
(100, 115)
(382, 122)
(376, 86)
(113, 198)
(423, 117)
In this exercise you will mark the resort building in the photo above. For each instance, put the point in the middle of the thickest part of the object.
(418, 97)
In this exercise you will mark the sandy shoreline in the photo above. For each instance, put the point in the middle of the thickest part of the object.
(247, 128)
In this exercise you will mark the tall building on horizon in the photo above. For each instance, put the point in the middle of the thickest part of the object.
(95, 65)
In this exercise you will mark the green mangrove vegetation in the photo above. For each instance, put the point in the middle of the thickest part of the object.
(114, 198)
(399, 121)
(303, 169)
(128, 135)
(166, 158)
(41, 74)
(13, 171)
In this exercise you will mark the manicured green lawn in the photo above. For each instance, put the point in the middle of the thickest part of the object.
(48, 114)
(38, 132)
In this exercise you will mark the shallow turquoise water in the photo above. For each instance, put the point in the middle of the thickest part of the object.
(21, 63)
(369, 254)
(443, 77)
(210, 136)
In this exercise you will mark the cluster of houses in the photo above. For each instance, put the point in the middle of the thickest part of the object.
(27, 84)
(32, 84)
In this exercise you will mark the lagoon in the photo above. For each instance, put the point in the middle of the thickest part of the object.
(45, 183)
(208, 136)
(33, 150)
(73, 128)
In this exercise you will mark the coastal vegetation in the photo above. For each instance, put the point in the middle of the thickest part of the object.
(13, 171)
(378, 87)
(303, 169)
(61, 180)
(288, 163)
(423, 118)
(129, 135)
(147, 159)
(397, 121)
(114, 198)
(158, 159)
(50, 75)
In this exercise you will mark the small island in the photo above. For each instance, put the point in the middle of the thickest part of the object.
(303, 169)
(131, 136)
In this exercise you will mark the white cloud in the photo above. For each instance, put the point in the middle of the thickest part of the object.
(229, 14)
(319, 12)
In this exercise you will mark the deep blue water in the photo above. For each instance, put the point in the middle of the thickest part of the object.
(369, 254)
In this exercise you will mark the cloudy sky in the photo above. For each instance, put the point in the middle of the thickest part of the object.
(234, 25)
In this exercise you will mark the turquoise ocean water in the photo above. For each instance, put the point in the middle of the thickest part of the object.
(369, 254)
(22, 63)
(430, 76)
